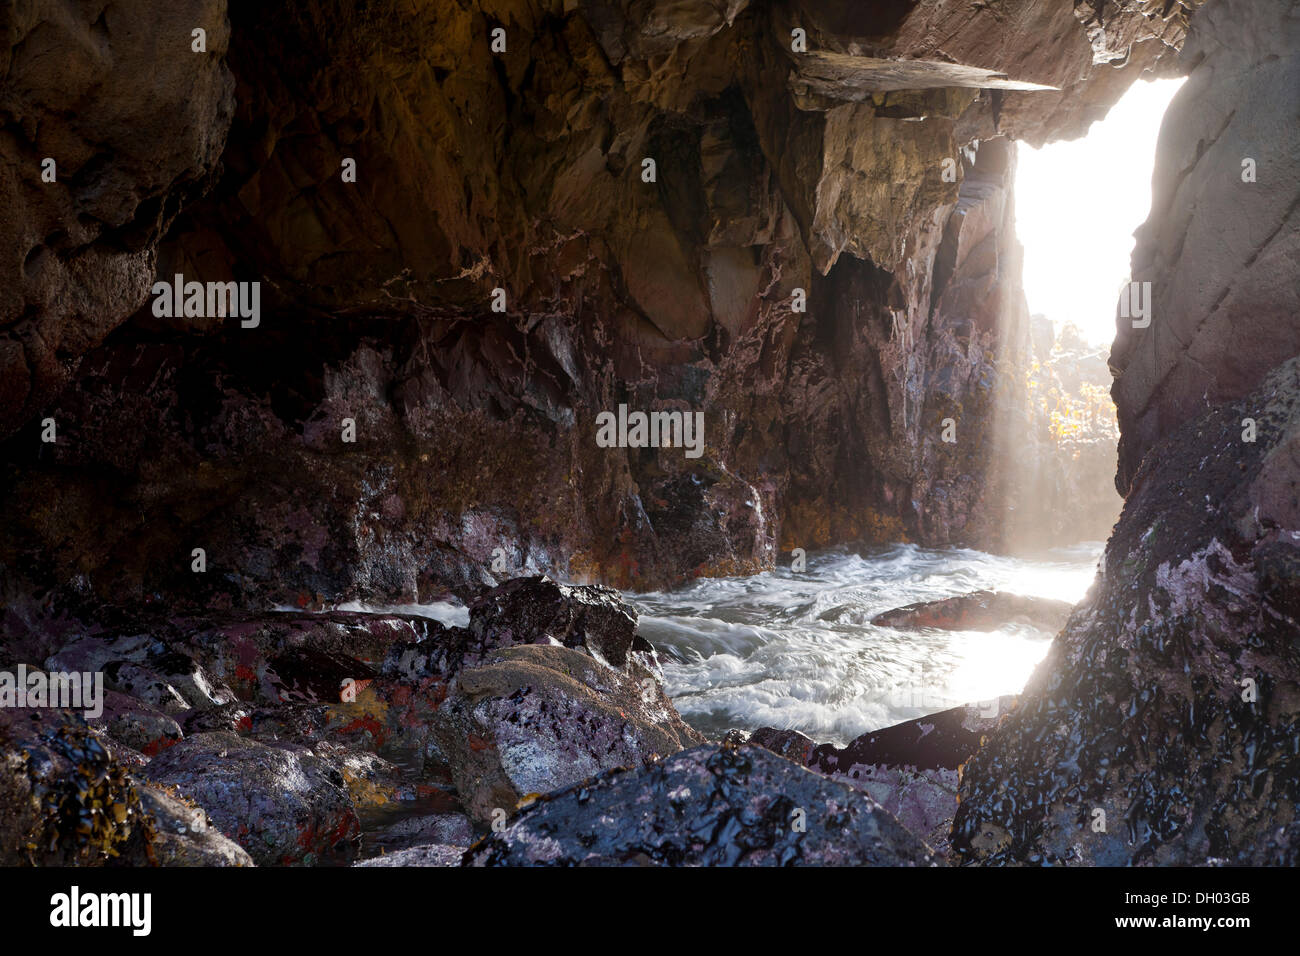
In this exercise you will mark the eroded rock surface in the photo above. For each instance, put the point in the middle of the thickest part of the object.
(536, 719)
(710, 806)
(135, 123)
(283, 805)
(911, 769)
(69, 801)
(871, 172)
(293, 738)
(1220, 252)
(1161, 727)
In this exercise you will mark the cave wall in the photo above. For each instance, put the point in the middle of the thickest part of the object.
(131, 145)
(1162, 728)
(1221, 247)
(475, 455)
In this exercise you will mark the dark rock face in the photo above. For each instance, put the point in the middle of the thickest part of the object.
(309, 739)
(1220, 252)
(728, 806)
(135, 123)
(1161, 728)
(281, 805)
(540, 611)
(979, 611)
(821, 171)
(867, 179)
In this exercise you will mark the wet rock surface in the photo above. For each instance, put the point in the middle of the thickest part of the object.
(1162, 726)
(1219, 251)
(800, 271)
(709, 806)
(540, 718)
(69, 801)
(979, 611)
(294, 738)
(282, 805)
(433, 854)
(911, 769)
(777, 171)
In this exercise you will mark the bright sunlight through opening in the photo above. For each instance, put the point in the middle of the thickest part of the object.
(1077, 205)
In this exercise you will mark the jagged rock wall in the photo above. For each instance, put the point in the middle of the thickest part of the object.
(135, 122)
(1221, 247)
(1163, 726)
(522, 170)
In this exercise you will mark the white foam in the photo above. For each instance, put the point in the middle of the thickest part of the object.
(797, 650)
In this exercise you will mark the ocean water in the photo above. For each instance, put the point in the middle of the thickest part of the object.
(797, 650)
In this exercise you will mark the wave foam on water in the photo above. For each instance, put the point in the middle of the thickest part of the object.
(797, 649)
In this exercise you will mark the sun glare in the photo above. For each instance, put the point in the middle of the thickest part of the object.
(1077, 205)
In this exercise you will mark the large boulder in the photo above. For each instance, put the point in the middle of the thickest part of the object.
(1161, 727)
(710, 806)
(536, 719)
(978, 611)
(282, 804)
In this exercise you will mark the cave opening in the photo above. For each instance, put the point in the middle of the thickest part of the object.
(1077, 205)
(870, 636)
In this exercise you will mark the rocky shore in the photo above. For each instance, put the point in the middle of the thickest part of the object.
(792, 222)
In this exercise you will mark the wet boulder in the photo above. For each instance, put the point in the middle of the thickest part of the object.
(537, 718)
(979, 611)
(419, 832)
(184, 835)
(144, 667)
(283, 804)
(537, 610)
(434, 854)
(709, 806)
(135, 724)
(790, 744)
(67, 801)
(911, 769)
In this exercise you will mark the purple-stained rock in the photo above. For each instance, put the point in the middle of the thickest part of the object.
(538, 718)
(1162, 727)
(790, 744)
(709, 806)
(184, 835)
(434, 854)
(417, 832)
(538, 610)
(282, 804)
(911, 769)
(135, 724)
